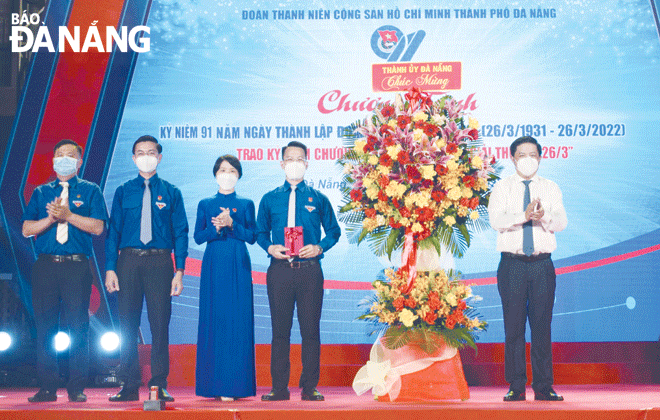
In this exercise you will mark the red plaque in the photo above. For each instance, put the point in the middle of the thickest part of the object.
(293, 239)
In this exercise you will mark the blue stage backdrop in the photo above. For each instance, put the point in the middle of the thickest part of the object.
(580, 76)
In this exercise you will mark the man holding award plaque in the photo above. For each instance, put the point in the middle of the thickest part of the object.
(289, 225)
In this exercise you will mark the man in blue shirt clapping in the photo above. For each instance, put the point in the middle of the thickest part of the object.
(63, 215)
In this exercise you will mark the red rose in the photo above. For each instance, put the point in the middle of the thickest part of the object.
(451, 148)
(450, 323)
(462, 305)
(396, 203)
(398, 303)
(425, 214)
(384, 129)
(383, 181)
(464, 202)
(403, 158)
(405, 212)
(370, 212)
(474, 133)
(410, 302)
(413, 174)
(441, 169)
(438, 196)
(469, 181)
(430, 317)
(387, 111)
(427, 183)
(434, 301)
(394, 224)
(474, 202)
(382, 196)
(403, 121)
(385, 160)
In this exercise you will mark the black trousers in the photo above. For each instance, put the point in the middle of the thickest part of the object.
(146, 278)
(60, 297)
(527, 290)
(301, 287)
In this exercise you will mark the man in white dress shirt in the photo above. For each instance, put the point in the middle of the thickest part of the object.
(527, 210)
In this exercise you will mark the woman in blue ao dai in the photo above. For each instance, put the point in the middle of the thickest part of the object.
(225, 339)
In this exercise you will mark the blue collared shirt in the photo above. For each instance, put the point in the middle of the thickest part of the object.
(85, 199)
(313, 210)
(169, 225)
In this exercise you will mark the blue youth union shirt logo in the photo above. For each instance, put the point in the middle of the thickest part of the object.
(388, 42)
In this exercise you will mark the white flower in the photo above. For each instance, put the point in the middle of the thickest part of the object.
(407, 317)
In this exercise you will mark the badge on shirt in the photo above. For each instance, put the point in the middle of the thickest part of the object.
(160, 205)
(77, 203)
(310, 208)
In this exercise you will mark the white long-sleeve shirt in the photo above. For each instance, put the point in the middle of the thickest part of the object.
(507, 214)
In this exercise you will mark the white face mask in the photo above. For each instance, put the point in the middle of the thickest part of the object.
(65, 165)
(226, 180)
(294, 170)
(527, 166)
(146, 163)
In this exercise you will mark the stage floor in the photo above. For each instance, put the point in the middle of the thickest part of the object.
(583, 402)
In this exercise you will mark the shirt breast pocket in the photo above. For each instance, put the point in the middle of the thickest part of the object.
(311, 214)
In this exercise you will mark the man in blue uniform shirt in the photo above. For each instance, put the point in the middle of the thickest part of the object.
(147, 222)
(295, 280)
(63, 215)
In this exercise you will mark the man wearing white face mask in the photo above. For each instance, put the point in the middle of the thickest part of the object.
(294, 277)
(63, 215)
(147, 222)
(527, 210)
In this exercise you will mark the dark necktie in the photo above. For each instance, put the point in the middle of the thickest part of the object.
(528, 234)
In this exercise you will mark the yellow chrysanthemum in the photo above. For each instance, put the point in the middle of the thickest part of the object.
(477, 163)
(453, 194)
(428, 171)
(473, 123)
(450, 220)
(474, 215)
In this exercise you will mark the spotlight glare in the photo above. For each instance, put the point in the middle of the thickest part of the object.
(5, 340)
(110, 341)
(62, 341)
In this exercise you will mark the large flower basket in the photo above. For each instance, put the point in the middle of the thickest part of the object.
(417, 181)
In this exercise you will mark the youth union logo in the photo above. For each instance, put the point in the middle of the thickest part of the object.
(390, 43)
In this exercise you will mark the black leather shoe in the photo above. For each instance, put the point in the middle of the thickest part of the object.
(125, 394)
(313, 395)
(549, 395)
(43, 395)
(77, 397)
(276, 396)
(163, 395)
(514, 396)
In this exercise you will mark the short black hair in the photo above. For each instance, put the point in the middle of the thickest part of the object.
(233, 161)
(526, 139)
(294, 144)
(148, 138)
(68, 141)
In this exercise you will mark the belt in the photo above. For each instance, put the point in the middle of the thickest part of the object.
(144, 252)
(296, 263)
(526, 258)
(64, 258)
